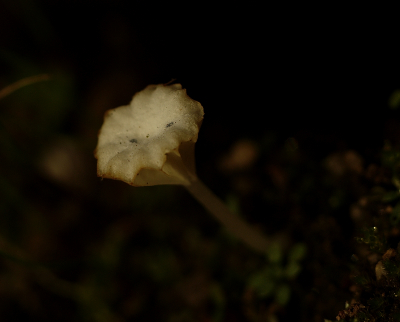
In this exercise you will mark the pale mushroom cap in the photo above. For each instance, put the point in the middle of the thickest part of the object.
(142, 143)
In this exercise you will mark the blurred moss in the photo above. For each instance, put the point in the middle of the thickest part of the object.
(374, 238)
(394, 99)
(273, 280)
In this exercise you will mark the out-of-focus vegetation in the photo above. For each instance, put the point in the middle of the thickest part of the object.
(375, 268)
(294, 151)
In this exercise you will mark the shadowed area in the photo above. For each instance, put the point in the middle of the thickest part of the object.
(300, 138)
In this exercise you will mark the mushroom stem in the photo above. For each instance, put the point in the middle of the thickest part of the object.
(232, 222)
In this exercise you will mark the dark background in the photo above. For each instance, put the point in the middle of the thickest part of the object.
(320, 76)
(278, 68)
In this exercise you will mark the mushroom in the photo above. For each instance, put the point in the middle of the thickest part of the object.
(151, 142)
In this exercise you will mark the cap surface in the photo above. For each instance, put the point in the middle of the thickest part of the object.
(141, 143)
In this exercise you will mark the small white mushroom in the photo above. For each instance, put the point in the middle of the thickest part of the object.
(151, 142)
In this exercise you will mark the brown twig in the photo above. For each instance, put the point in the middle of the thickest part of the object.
(21, 83)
